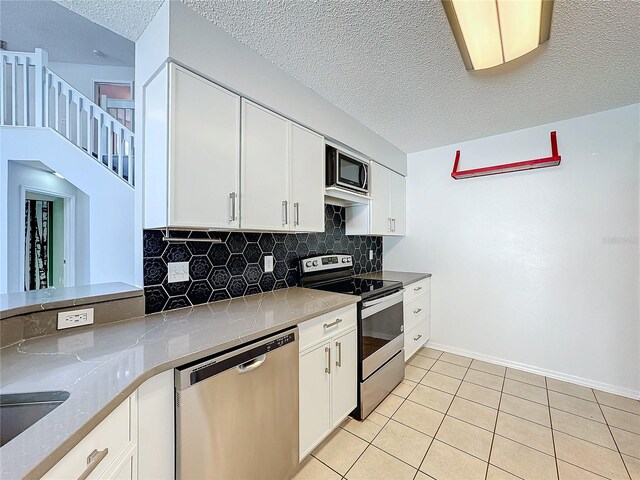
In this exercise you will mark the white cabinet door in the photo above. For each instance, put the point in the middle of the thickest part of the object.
(315, 397)
(344, 394)
(204, 158)
(380, 194)
(264, 200)
(397, 204)
(307, 180)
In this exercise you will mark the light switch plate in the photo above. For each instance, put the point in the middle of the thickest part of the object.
(268, 263)
(370, 254)
(75, 318)
(178, 272)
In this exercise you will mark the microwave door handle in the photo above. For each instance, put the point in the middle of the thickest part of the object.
(365, 170)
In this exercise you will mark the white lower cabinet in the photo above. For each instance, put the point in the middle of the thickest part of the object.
(417, 316)
(135, 441)
(328, 374)
(105, 450)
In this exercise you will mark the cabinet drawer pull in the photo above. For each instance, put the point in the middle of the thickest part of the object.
(93, 460)
(417, 338)
(285, 213)
(296, 214)
(233, 197)
(417, 289)
(393, 228)
(327, 369)
(417, 311)
(333, 324)
(339, 347)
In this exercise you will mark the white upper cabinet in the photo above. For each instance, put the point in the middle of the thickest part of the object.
(282, 186)
(264, 194)
(192, 160)
(380, 195)
(307, 180)
(386, 212)
(204, 153)
(198, 135)
(398, 204)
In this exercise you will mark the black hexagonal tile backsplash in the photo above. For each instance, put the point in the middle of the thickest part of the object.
(236, 266)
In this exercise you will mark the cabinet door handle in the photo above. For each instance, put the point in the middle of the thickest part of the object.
(333, 324)
(393, 222)
(285, 214)
(327, 369)
(389, 228)
(417, 289)
(296, 214)
(93, 460)
(417, 311)
(417, 338)
(233, 197)
(339, 347)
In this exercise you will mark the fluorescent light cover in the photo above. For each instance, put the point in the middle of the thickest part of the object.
(519, 26)
(59, 175)
(479, 24)
(492, 32)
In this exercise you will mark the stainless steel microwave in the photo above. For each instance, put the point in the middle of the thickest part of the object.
(345, 171)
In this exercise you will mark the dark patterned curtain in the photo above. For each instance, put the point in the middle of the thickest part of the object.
(37, 214)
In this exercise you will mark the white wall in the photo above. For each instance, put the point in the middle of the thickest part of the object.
(111, 205)
(537, 268)
(82, 76)
(201, 46)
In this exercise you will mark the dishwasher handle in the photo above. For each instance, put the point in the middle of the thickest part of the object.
(252, 364)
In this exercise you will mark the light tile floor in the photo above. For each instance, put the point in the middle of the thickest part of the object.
(454, 418)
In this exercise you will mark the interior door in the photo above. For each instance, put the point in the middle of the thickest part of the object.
(265, 170)
(344, 396)
(380, 185)
(315, 397)
(307, 180)
(204, 165)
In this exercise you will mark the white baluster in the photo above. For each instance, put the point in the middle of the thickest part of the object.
(25, 93)
(14, 92)
(99, 141)
(41, 94)
(78, 123)
(3, 73)
(56, 105)
(110, 144)
(120, 137)
(89, 110)
(68, 99)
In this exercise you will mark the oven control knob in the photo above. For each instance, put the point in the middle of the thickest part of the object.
(308, 264)
(345, 260)
(315, 263)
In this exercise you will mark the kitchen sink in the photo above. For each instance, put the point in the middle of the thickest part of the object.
(18, 411)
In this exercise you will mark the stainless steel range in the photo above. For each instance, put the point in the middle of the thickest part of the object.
(380, 324)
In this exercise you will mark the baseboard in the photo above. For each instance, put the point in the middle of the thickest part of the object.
(605, 387)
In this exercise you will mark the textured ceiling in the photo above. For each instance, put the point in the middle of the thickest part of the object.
(66, 36)
(394, 65)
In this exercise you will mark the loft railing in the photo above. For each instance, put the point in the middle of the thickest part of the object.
(32, 95)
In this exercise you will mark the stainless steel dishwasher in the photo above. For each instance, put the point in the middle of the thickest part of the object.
(237, 413)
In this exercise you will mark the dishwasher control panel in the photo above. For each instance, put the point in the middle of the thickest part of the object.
(279, 342)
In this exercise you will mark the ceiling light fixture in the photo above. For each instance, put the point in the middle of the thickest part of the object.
(59, 175)
(493, 32)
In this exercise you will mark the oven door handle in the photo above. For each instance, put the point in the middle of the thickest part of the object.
(388, 298)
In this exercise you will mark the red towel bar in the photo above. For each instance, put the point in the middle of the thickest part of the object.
(551, 161)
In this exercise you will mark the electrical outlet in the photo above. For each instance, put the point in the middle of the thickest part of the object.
(178, 272)
(370, 254)
(75, 318)
(268, 263)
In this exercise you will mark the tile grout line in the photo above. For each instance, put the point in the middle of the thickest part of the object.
(624, 464)
(495, 425)
(442, 421)
(553, 437)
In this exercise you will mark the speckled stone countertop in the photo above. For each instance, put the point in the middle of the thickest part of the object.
(12, 304)
(101, 366)
(407, 278)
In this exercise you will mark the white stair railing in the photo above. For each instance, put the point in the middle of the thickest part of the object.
(32, 95)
